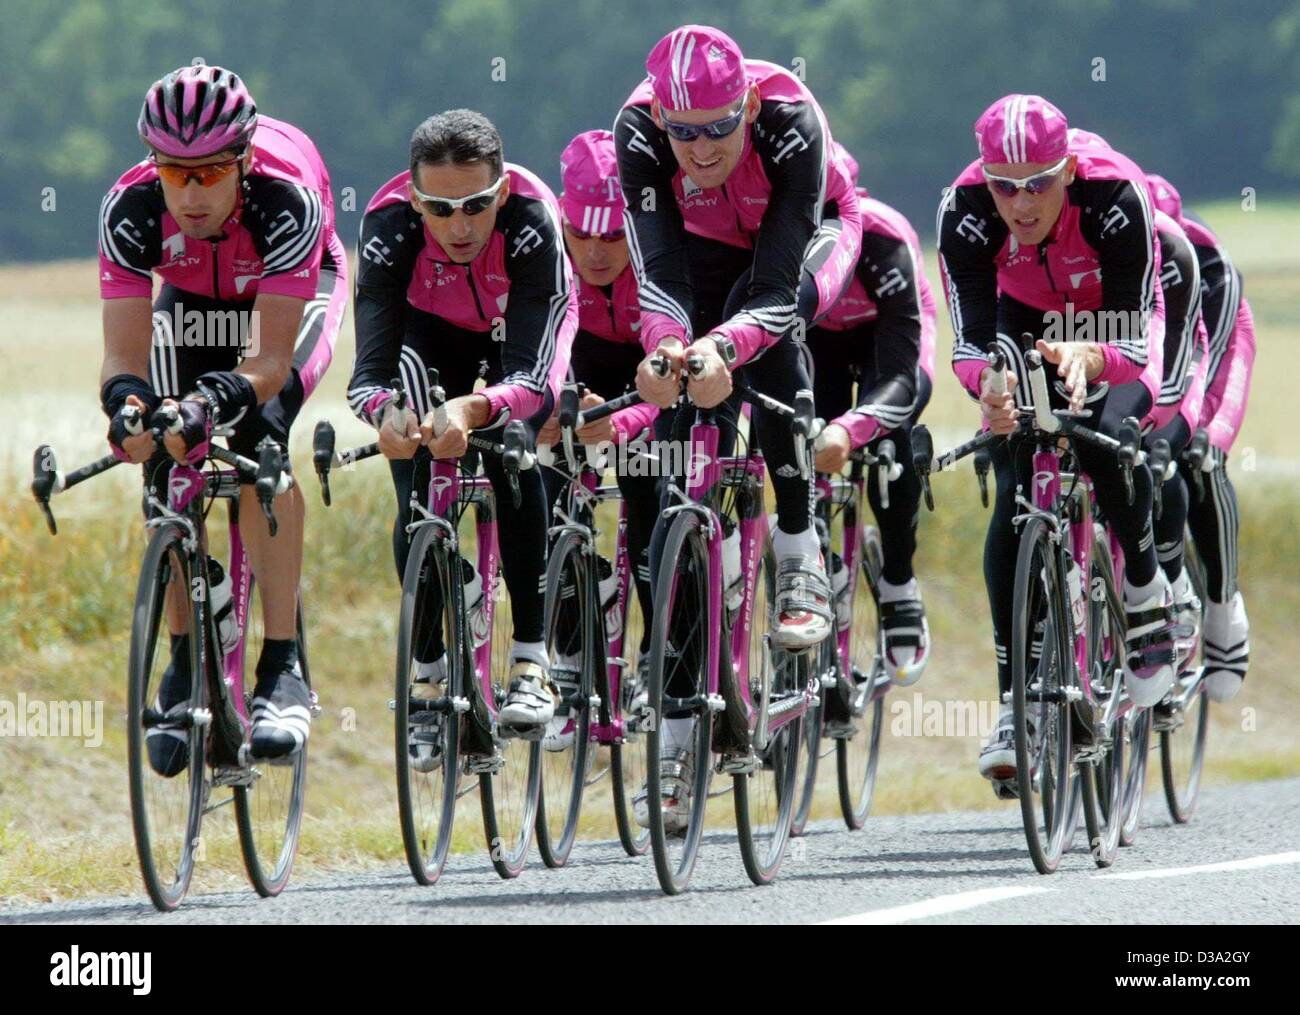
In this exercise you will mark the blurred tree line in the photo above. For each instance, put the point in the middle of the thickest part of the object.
(1206, 93)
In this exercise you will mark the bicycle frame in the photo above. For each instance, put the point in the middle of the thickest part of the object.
(704, 476)
(445, 491)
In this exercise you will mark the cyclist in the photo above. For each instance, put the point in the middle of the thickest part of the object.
(1032, 235)
(606, 348)
(743, 227)
(462, 269)
(232, 210)
(881, 333)
(1213, 519)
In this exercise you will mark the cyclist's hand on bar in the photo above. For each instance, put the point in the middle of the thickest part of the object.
(999, 409)
(661, 391)
(1077, 364)
(712, 385)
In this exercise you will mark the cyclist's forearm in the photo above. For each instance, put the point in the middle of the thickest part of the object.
(128, 336)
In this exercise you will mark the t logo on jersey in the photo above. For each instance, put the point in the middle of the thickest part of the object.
(796, 143)
(973, 229)
(376, 251)
(528, 240)
(1170, 275)
(638, 142)
(1115, 220)
(126, 230)
(286, 223)
(891, 282)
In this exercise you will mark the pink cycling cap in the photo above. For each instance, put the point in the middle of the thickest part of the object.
(1166, 196)
(592, 199)
(1022, 128)
(696, 67)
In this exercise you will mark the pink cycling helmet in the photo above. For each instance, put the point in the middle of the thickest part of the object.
(1166, 196)
(1022, 128)
(196, 111)
(592, 199)
(696, 67)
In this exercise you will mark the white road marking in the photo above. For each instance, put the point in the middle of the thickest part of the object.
(1250, 863)
(937, 906)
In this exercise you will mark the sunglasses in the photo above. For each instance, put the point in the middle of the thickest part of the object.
(717, 129)
(1037, 184)
(444, 207)
(207, 175)
(613, 236)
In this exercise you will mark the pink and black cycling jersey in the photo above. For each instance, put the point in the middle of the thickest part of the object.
(1230, 326)
(1183, 385)
(774, 201)
(612, 313)
(1101, 255)
(278, 239)
(518, 288)
(889, 292)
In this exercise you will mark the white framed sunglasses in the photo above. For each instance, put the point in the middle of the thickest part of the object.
(445, 207)
(1037, 184)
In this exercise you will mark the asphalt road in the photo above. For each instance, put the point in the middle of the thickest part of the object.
(1238, 861)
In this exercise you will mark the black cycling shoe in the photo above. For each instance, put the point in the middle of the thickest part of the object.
(281, 713)
(169, 749)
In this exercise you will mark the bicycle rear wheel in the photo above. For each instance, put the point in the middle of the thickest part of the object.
(857, 756)
(1047, 784)
(426, 725)
(679, 653)
(574, 634)
(628, 758)
(508, 791)
(1182, 720)
(810, 740)
(166, 736)
(1106, 781)
(765, 796)
(268, 808)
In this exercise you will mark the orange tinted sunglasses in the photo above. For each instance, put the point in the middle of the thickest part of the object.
(207, 176)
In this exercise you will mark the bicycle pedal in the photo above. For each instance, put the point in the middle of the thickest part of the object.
(529, 733)
(739, 764)
(484, 764)
(840, 730)
(1005, 789)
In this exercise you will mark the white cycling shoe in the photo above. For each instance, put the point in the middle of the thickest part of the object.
(531, 701)
(424, 739)
(566, 672)
(1226, 648)
(674, 792)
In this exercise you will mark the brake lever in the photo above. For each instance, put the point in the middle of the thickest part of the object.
(322, 456)
(982, 464)
(922, 460)
(1127, 454)
(270, 466)
(887, 470)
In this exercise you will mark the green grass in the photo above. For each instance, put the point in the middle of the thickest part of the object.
(65, 605)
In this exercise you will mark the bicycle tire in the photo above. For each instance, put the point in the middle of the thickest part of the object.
(569, 576)
(857, 759)
(426, 801)
(1056, 790)
(762, 848)
(163, 554)
(1185, 733)
(682, 586)
(628, 758)
(249, 798)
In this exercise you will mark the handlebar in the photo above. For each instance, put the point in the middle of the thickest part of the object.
(269, 476)
(515, 449)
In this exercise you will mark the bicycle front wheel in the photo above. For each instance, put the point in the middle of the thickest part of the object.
(268, 808)
(1046, 780)
(426, 724)
(1183, 719)
(166, 713)
(509, 788)
(857, 750)
(767, 792)
(680, 733)
(574, 634)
